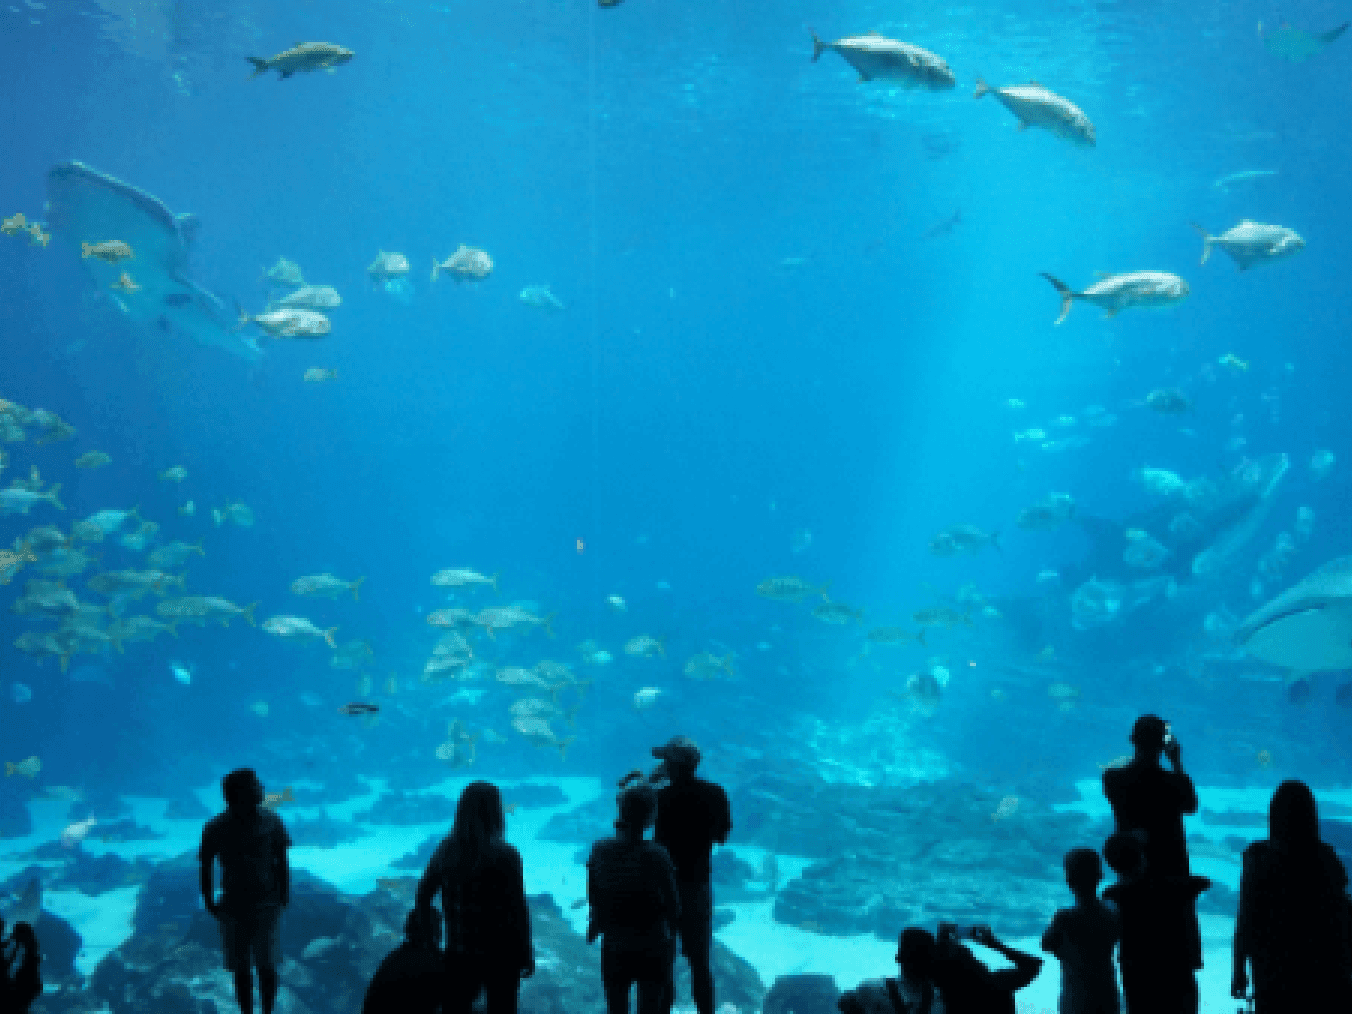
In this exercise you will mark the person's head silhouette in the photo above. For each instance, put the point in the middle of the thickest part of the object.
(1124, 855)
(638, 808)
(1084, 872)
(1148, 736)
(915, 952)
(680, 755)
(242, 790)
(1293, 815)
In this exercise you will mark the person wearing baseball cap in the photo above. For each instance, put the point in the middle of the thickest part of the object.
(693, 815)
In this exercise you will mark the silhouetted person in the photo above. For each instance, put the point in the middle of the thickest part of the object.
(483, 902)
(911, 992)
(20, 973)
(250, 843)
(1149, 802)
(631, 887)
(1161, 946)
(1082, 938)
(1293, 922)
(692, 816)
(967, 986)
(410, 979)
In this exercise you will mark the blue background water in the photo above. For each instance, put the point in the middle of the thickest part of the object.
(700, 400)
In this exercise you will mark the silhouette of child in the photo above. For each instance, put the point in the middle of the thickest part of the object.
(1161, 945)
(1082, 937)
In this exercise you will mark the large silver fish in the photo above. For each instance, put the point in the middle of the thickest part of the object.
(1250, 243)
(85, 203)
(305, 56)
(1308, 627)
(1121, 292)
(876, 56)
(1036, 106)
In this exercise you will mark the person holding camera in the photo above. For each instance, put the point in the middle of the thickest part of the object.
(693, 815)
(1149, 802)
(911, 992)
(965, 984)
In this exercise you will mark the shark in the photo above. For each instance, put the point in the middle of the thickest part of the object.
(1296, 45)
(85, 205)
(1308, 627)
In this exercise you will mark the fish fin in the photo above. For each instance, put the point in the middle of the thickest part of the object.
(84, 250)
(328, 637)
(436, 268)
(494, 581)
(260, 66)
(818, 47)
(1333, 33)
(1207, 240)
(355, 585)
(248, 613)
(1066, 294)
(198, 546)
(56, 488)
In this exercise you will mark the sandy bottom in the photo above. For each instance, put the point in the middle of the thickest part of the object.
(773, 948)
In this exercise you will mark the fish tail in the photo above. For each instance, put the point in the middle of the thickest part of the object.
(328, 637)
(84, 250)
(818, 47)
(355, 585)
(662, 647)
(981, 88)
(260, 66)
(1066, 294)
(198, 546)
(247, 613)
(494, 581)
(1207, 240)
(56, 488)
(727, 665)
(436, 268)
(9, 768)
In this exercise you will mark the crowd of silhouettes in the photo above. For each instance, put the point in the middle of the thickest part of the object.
(648, 896)
(20, 973)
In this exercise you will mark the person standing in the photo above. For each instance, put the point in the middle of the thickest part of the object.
(631, 888)
(1294, 925)
(250, 842)
(693, 815)
(1083, 937)
(1149, 802)
(480, 879)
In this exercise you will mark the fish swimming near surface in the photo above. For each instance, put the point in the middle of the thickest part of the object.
(1250, 243)
(875, 56)
(304, 56)
(1296, 45)
(944, 227)
(1242, 177)
(1036, 106)
(84, 202)
(1308, 627)
(1114, 293)
(541, 298)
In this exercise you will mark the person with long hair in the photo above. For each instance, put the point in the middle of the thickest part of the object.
(480, 879)
(1294, 926)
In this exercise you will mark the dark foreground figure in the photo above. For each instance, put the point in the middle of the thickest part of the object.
(692, 816)
(1149, 802)
(483, 900)
(409, 980)
(20, 977)
(250, 842)
(631, 888)
(1294, 927)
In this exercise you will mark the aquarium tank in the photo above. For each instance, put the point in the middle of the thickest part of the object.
(931, 419)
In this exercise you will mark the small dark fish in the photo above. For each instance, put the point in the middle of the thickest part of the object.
(178, 299)
(359, 708)
(943, 228)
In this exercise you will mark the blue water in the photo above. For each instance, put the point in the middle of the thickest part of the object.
(758, 341)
